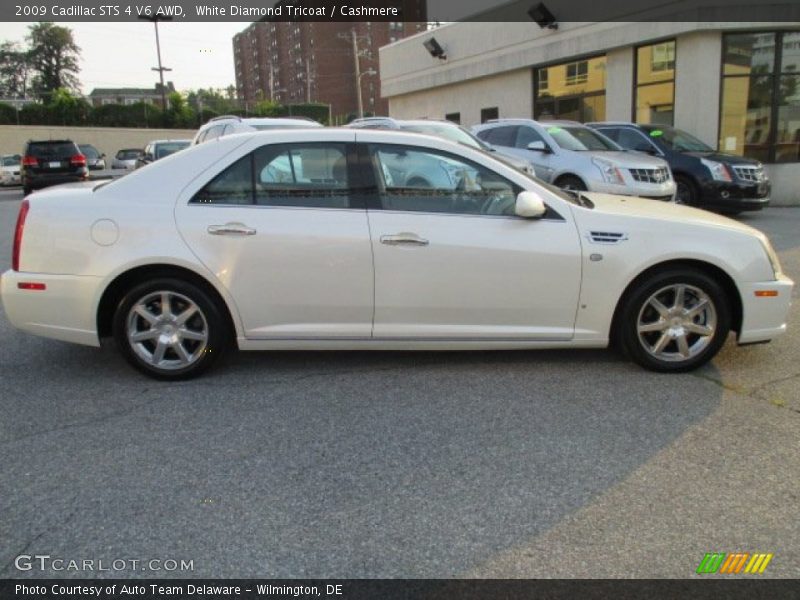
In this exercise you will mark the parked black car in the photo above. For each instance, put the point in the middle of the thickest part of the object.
(703, 177)
(51, 162)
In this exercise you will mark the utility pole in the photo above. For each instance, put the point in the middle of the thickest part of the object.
(155, 19)
(271, 84)
(308, 81)
(357, 66)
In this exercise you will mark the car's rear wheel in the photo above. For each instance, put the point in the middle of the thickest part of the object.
(675, 321)
(170, 329)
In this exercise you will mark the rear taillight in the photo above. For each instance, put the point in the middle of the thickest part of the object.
(30, 161)
(79, 160)
(23, 214)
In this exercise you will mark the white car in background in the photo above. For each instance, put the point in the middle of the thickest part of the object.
(229, 124)
(9, 169)
(126, 158)
(297, 240)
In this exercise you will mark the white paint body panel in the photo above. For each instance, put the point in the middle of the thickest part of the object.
(321, 279)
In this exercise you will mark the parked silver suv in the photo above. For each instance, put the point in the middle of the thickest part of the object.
(228, 124)
(573, 156)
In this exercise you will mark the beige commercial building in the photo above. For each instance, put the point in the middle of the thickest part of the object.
(736, 86)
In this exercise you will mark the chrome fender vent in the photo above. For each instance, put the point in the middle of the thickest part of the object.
(606, 237)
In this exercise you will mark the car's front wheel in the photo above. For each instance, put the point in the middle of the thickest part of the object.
(674, 321)
(170, 329)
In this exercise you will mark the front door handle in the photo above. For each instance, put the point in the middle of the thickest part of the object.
(231, 229)
(404, 239)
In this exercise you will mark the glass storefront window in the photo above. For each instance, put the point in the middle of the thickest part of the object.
(575, 90)
(655, 84)
(760, 104)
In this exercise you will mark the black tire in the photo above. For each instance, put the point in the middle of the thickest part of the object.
(183, 357)
(27, 191)
(671, 358)
(686, 191)
(570, 182)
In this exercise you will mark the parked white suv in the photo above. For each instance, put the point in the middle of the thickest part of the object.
(228, 124)
(573, 156)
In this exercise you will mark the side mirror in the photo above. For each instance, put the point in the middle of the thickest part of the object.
(538, 146)
(102, 155)
(529, 205)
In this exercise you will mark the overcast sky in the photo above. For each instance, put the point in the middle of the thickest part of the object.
(121, 54)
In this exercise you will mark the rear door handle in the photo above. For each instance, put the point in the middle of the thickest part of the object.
(231, 229)
(404, 239)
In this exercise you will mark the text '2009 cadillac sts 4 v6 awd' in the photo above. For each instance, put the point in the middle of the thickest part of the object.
(358, 239)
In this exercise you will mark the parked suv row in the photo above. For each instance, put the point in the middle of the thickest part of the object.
(703, 176)
(575, 157)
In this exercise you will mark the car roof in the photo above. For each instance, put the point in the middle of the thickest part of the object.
(615, 123)
(50, 142)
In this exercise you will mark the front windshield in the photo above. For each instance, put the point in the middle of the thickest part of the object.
(163, 150)
(448, 132)
(580, 139)
(677, 140)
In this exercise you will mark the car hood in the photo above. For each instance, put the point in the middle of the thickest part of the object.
(628, 160)
(730, 159)
(514, 161)
(631, 206)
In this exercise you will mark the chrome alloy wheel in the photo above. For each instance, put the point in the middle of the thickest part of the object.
(677, 323)
(167, 330)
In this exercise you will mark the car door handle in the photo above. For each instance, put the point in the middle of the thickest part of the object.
(231, 229)
(404, 239)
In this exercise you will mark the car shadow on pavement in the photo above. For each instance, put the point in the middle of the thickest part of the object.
(322, 464)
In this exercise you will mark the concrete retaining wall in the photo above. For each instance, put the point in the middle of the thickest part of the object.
(105, 139)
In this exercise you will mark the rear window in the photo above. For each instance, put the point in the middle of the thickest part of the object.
(128, 154)
(271, 126)
(52, 149)
(89, 151)
(163, 150)
(10, 161)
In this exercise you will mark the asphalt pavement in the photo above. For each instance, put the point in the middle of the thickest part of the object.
(389, 464)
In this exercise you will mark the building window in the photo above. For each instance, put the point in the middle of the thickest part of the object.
(454, 117)
(487, 114)
(760, 103)
(577, 72)
(575, 90)
(654, 91)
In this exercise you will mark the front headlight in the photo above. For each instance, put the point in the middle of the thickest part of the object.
(773, 257)
(718, 170)
(610, 172)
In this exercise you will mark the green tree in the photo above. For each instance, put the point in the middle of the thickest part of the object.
(54, 57)
(14, 70)
(179, 114)
(66, 109)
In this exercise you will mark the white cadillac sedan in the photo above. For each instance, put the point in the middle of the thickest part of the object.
(348, 239)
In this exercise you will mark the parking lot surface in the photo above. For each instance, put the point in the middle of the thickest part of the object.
(387, 464)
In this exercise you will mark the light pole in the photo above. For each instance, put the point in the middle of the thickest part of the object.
(358, 95)
(155, 19)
